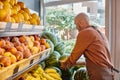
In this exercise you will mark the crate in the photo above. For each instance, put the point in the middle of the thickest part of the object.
(9, 71)
(39, 56)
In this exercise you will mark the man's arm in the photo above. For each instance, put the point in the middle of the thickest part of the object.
(84, 39)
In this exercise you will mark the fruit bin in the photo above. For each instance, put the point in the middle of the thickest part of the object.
(14, 70)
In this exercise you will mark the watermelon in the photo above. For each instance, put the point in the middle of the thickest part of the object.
(51, 45)
(67, 74)
(53, 59)
(76, 67)
(57, 53)
(51, 36)
(81, 74)
(60, 47)
(42, 64)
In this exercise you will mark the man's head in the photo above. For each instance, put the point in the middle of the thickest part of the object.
(81, 21)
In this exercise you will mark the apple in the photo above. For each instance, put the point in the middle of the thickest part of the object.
(27, 53)
(26, 16)
(13, 50)
(42, 41)
(19, 48)
(32, 38)
(26, 10)
(36, 43)
(2, 50)
(13, 2)
(6, 38)
(1, 5)
(33, 21)
(11, 56)
(6, 61)
(42, 47)
(15, 39)
(8, 45)
(21, 4)
(34, 50)
(2, 43)
(23, 39)
(35, 16)
(47, 45)
(19, 55)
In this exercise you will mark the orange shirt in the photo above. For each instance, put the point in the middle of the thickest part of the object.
(90, 43)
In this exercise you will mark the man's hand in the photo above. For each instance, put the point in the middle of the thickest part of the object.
(63, 65)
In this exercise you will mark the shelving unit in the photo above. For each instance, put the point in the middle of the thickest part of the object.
(17, 29)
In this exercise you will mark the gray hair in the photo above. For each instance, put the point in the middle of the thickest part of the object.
(82, 17)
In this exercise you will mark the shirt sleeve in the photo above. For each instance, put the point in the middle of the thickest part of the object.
(84, 39)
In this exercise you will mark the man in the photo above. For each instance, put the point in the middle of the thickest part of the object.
(93, 45)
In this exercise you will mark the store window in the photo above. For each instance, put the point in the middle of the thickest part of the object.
(60, 18)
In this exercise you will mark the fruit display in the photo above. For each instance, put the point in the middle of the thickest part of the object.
(39, 73)
(16, 12)
(13, 49)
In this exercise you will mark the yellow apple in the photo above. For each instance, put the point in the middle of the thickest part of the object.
(26, 16)
(21, 4)
(34, 50)
(3, 14)
(33, 21)
(11, 56)
(13, 2)
(1, 5)
(47, 45)
(32, 38)
(2, 50)
(26, 10)
(12, 20)
(7, 4)
(21, 17)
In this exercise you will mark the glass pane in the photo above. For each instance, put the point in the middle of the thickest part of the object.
(62, 16)
(60, 19)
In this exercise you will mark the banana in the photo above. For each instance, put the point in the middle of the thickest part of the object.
(47, 77)
(56, 76)
(50, 70)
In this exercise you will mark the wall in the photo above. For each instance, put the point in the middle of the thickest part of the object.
(32, 4)
(113, 26)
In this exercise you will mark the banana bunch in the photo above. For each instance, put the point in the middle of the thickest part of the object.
(29, 77)
(53, 73)
(39, 74)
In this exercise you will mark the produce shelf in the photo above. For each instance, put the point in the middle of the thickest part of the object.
(16, 69)
(17, 29)
(5, 34)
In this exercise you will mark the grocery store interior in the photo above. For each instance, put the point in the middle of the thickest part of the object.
(36, 34)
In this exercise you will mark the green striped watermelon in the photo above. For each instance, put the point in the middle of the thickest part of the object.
(81, 74)
(60, 47)
(51, 36)
(51, 45)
